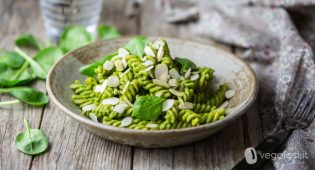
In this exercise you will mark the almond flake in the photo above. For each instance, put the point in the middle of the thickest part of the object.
(161, 71)
(149, 68)
(168, 104)
(120, 108)
(187, 74)
(113, 81)
(151, 125)
(101, 88)
(160, 53)
(122, 52)
(159, 93)
(148, 63)
(124, 62)
(110, 101)
(174, 73)
(119, 65)
(88, 107)
(108, 65)
(123, 74)
(148, 51)
(93, 117)
(161, 83)
(172, 82)
(176, 93)
(194, 77)
(157, 44)
(186, 106)
(229, 94)
(126, 121)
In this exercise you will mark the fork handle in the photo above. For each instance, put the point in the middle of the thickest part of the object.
(255, 158)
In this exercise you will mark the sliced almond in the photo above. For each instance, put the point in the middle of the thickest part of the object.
(122, 52)
(119, 65)
(123, 74)
(194, 77)
(174, 73)
(168, 104)
(176, 93)
(151, 125)
(157, 44)
(88, 107)
(120, 108)
(172, 82)
(161, 71)
(148, 51)
(126, 121)
(159, 93)
(124, 62)
(93, 117)
(161, 83)
(125, 87)
(187, 74)
(149, 68)
(113, 81)
(186, 106)
(229, 94)
(110, 101)
(160, 53)
(223, 105)
(101, 88)
(148, 63)
(108, 65)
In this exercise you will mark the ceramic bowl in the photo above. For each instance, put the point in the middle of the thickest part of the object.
(228, 68)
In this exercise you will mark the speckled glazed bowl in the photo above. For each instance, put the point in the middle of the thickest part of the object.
(228, 68)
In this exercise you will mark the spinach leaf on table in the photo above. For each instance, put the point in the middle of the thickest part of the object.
(47, 57)
(27, 95)
(107, 32)
(148, 107)
(32, 141)
(11, 59)
(38, 69)
(136, 45)
(89, 70)
(184, 64)
(74, 37)
(12, 77)
(28, 40)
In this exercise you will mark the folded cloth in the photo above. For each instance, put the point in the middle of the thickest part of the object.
(282, 60)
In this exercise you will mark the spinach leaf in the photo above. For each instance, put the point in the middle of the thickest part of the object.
(74, 37)
(39, 70)
(107, 32)
(32, 141)
(12, 77)
(27, 95)
(148, 107)
(89, 70)
(136, 45)
(11, 59)
(28, 40)
(184, 64)
(47, 57)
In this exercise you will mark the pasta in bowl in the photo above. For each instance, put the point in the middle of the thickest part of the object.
(152, 92)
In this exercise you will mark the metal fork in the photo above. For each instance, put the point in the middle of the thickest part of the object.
(300, 117)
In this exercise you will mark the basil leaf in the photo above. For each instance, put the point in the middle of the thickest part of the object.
(28, 40)
(184, 64)
(39, 70)
(148, 107)
(74, 37)
(32, 141)
(89, 70)
(136, 45)
(47, 57)
(11, 59)
(107, 32)
(27, 95)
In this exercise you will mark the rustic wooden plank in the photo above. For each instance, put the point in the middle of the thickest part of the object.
(221, 151)
(15, 20)
(73, 147)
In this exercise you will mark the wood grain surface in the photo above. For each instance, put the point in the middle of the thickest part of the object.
(71, 146)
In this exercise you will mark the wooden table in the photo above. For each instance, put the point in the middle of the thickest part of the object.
(71, 146)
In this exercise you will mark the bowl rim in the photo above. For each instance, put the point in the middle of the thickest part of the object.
(85, 121)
